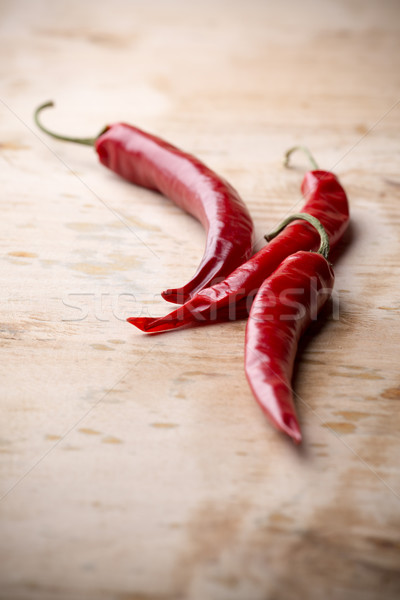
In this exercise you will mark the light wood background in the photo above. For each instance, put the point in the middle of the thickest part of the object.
(140, 468)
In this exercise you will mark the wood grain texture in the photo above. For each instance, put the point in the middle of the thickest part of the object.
(140, 468)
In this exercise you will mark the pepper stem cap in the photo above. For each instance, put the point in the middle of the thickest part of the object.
(85, 141)
(305, 151)
(324, 245)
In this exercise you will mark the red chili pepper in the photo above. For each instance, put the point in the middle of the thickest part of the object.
(326, 201)
(284, 306)
(150, 162)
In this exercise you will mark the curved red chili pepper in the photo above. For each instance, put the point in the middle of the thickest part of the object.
(326, 201)
(284, 306)
(150, 162)
(233, 312)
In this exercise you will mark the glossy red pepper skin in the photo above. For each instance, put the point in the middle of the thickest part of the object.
(150, 162)
(326, 200)
(283, 308)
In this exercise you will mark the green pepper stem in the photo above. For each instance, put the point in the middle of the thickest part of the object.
(306, 152)
(65, 138)
(324, 246)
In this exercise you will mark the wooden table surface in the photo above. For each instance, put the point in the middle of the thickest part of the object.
(141, 468)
